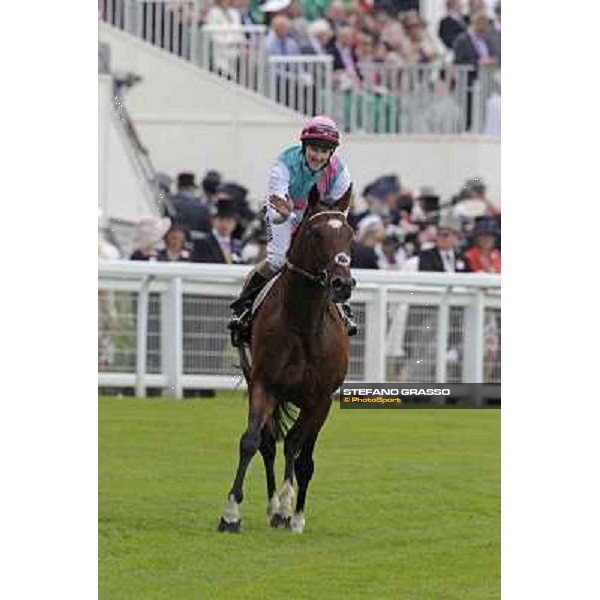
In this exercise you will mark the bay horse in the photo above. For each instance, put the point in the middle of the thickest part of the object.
(300, 353)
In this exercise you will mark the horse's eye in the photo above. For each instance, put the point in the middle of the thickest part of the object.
(316, 234)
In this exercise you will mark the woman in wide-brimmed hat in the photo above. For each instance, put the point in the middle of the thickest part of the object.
(484, 257)
(147, 237)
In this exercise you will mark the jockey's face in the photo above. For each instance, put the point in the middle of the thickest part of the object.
(317, 157)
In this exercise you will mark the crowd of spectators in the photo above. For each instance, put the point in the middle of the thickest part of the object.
(362, 37)
(390, 31)
(394, 227)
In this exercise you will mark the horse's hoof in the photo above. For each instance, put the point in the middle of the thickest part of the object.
(230, 527)
(280, 522)
(297, 523)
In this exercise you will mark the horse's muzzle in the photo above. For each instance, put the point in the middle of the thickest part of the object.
(341, 288)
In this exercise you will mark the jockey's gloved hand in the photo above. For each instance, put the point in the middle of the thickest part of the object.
(284, 206)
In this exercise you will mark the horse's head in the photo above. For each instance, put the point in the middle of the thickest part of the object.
(320, 249)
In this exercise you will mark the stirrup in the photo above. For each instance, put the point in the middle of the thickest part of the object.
(239, 327)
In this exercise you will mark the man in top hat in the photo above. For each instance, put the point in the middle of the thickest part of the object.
(443, 257)
(190, 213)
(219, 246)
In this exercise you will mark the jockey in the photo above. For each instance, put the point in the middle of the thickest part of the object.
(294, 173)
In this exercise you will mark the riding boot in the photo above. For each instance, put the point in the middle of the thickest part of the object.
(239, 324)
(348, 318)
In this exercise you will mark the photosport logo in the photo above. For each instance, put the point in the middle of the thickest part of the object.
(418, 395)
(388, 395)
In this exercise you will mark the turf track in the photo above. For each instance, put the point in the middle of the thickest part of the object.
(404, 504)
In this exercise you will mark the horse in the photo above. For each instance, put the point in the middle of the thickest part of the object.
(300, 353)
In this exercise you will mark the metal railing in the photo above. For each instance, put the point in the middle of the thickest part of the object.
(236, 53)
(164, 326)
(438, 98)
(387, 98)
(303, 83)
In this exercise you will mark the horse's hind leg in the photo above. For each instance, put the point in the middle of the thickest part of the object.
(268, 450)
(262, 405)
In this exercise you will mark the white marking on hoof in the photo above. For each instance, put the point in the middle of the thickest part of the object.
(297, 523)
(286, 496)
(273, 506)
(231, 514)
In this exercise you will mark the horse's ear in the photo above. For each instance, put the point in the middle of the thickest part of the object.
(314, 198)
(344, 202)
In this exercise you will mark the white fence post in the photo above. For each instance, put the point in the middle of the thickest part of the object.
(375, 335)
(141, 338)
(474, 340)
(442, 340)
(172, 337)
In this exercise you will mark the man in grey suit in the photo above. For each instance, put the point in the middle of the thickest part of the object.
(493, 34)
(473, 48)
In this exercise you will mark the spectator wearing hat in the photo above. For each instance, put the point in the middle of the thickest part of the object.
(484, 256)
(238, 195)
(190, 213)
(444, 257)
(477, 189)
(148, 234)
(176, 241)
(391, 254)
(273, 8)
(369, 236)
(219, 246)
(210, 185)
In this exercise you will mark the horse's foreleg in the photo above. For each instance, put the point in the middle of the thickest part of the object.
(304, 467)
(261, 408)
(291, 447)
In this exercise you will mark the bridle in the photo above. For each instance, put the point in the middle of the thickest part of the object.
(321, 278)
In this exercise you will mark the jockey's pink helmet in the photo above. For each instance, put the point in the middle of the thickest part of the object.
(321, 129)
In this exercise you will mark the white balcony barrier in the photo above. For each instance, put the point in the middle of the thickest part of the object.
(164, 326)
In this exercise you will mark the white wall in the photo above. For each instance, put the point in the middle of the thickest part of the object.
(192, 120)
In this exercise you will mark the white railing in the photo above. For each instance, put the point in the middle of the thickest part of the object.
(303, 83)
(237, 54)
(385, 98)
(164, 326)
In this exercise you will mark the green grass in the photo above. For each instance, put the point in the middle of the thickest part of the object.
(404, 504)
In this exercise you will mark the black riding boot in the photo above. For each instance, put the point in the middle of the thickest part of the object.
(349, 322)
(239, 324)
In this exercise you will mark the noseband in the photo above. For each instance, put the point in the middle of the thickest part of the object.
(321, 278)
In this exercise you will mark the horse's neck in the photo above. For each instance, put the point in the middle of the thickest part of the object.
(304, 303)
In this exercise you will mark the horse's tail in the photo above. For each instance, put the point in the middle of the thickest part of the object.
(284, 415)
